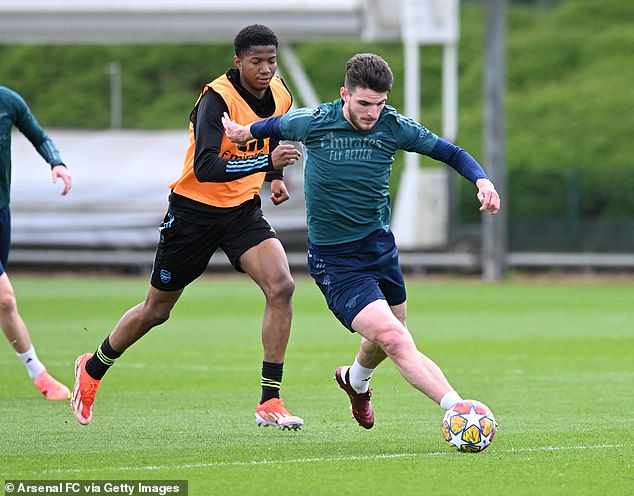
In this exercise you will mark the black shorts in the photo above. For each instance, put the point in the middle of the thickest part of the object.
(189, 239)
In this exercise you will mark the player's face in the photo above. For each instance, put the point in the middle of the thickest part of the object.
(257, 66)
(362, 107)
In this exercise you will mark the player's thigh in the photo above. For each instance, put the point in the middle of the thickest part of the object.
(162, 302)
(375, 320)
(400, 312)
(266, 263)
(252, 246)
(183, 253)
(7, 296)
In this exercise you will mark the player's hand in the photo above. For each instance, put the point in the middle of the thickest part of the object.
(488, 196)
(61, 172)
(279, 193)
(284, 155)
(234, 131)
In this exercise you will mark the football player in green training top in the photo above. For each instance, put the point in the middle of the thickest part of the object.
(15, 112)
(350, 145)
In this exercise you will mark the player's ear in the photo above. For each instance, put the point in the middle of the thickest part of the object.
(344, 94)
(236, 61)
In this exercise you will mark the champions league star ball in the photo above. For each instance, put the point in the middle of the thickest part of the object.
(469, 426)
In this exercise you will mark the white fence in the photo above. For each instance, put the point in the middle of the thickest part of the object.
(117, 201)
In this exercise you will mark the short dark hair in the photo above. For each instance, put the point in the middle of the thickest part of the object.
(253, 35)
(368, 70)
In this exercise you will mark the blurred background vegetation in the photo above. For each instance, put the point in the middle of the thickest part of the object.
(569, 103)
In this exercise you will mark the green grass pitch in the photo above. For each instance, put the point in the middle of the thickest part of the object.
(554, 360)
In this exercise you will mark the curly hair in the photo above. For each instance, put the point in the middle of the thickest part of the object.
(254, 35)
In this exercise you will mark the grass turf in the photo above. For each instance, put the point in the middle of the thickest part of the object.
(553, 360)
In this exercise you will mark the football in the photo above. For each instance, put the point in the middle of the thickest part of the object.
(469, 426)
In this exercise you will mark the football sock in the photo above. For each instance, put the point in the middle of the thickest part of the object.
(449, 399)
(102, 360)
(32, 363)
(360, 377)
(271, 380)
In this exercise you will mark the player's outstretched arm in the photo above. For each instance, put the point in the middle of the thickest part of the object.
(281, 156)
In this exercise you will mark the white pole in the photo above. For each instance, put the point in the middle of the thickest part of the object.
(450, 92)
(404, 222)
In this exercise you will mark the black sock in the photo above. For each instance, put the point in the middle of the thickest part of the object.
(271, 380)
(102, 360)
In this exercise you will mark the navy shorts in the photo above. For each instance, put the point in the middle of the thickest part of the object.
(5, 237)
(188, 241)
(353, 275)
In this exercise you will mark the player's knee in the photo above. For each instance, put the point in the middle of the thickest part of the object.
(281, 290)
(7, 303)
(161, 316)
(393, 339)
(287, 287)
(157, 315)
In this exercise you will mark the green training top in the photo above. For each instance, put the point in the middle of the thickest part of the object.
(15, 111)
(346, 171)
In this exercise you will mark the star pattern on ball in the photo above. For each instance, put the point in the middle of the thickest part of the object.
(473, 418)
(457, 441)
(469, 426)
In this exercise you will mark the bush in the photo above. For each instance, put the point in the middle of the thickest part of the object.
(569, 89)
